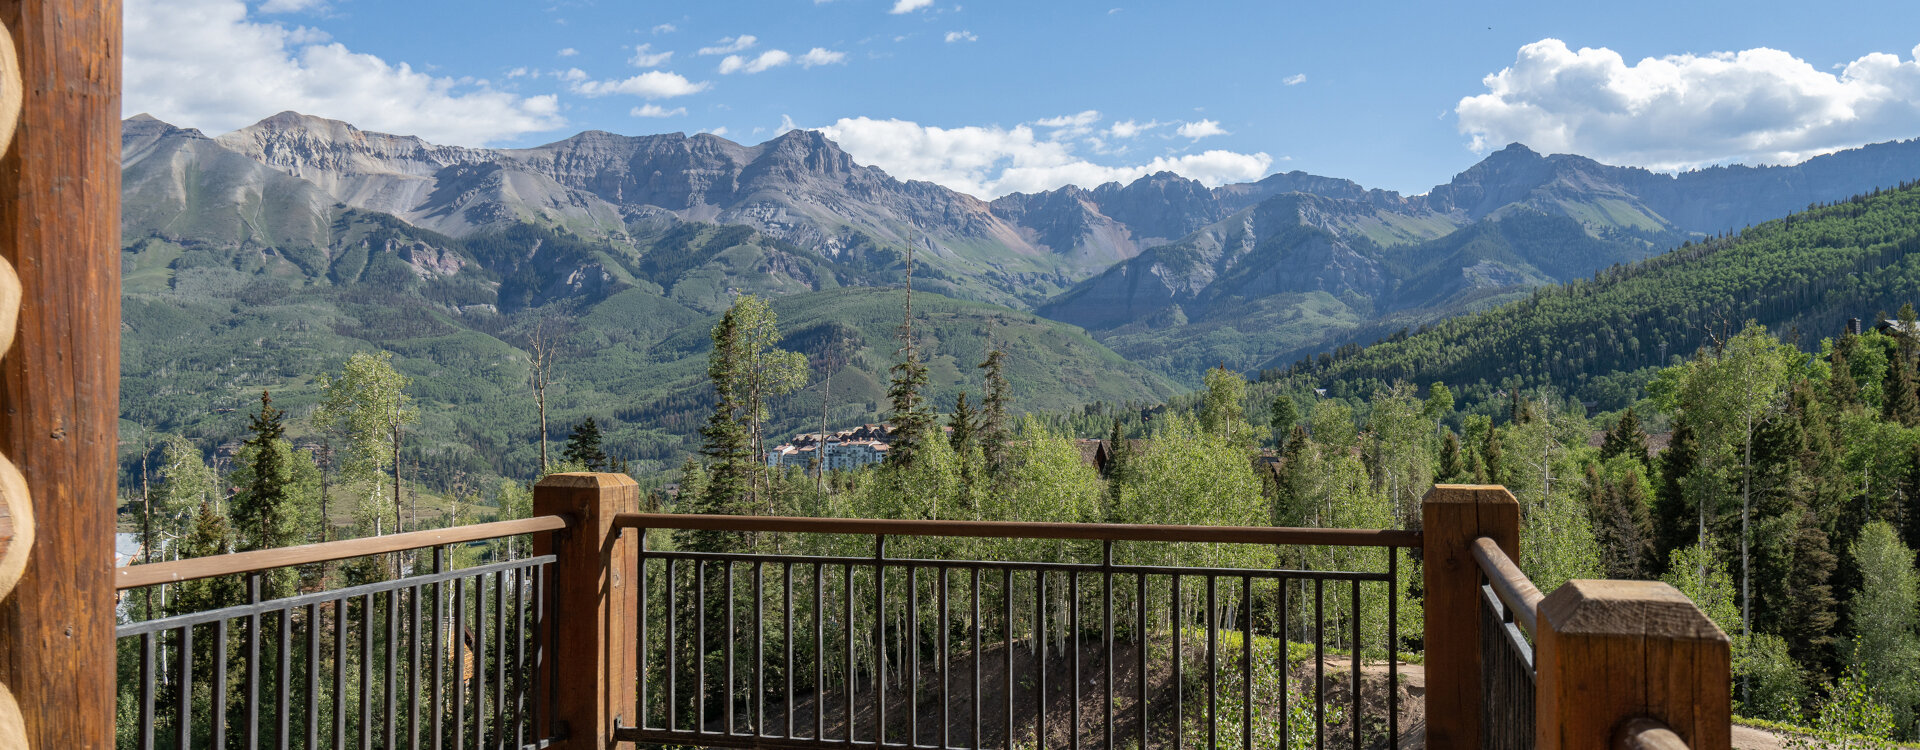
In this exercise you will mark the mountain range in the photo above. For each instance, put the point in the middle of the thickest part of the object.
(359, 238)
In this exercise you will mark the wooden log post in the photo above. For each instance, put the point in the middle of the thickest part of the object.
(1452, 517)
(591, 607)
(1611, 652)
(60, 380)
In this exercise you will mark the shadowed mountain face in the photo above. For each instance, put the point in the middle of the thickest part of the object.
(1165, 269)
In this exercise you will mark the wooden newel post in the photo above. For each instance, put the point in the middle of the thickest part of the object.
(1453, 516)
(1610, 652)
(591, 605)
(60, 379)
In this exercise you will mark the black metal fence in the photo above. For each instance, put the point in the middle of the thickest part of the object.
(807, 651)
(1506, 677)
(440, 659)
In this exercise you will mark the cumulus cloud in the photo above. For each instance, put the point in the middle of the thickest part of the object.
(909, 6)
(1200, 129)
(719, 131)
(655, 110)
(730, 45)
(568, 52)
(665, 28)
(1130, 128)
(291, 6)
(1295, 79)
(992, 161)
(821, 56)
(653, 84)
(645, 57)
(775, 58)
(206, 64)
(1758, 105)
(962, 35)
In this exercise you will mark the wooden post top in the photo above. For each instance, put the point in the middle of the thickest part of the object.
(586, 480)
(1649, 609)
(1469, 494)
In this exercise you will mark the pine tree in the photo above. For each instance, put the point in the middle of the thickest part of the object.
(996, 427)
(1292, 480)
(262, 512)
(1899, 400)
(1673, 505)
(1807, 621)
(911, 417)
(724, 438)
(1451, 468)
(1490, 456)
(963, 423)
(964, 439)
(209, 535)
(1842, 389)
(1626, 438)
(1281, 418)
(583, 446)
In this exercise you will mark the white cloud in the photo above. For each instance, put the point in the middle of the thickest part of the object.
(292, 6)
(1130, 128)
(719, 131)
(1758, 106)
(665, 28)
(205, 64)
(1295, 79)
(993, 161)
(520, 72)
(775, 58)
(655, 110)
(1200, 129)
(571, 75)
(568, 52)
(821, 56)
(731, 44)
(909, 6)
(961, 36)
(767, 60)
(645, 57)
(1079, 120)
(653, 84)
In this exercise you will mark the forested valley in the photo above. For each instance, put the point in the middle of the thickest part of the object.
(1701, 418)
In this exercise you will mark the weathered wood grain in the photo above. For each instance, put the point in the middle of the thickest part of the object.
(1453, 518)
(592, 604)
(60, 380)
(1609, 652)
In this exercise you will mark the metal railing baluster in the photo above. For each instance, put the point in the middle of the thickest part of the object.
(700, 647)
(673, 663)
(1354, 662)
(251, 682)
(459, 636)
(1246, 663)
(1319, 664)
(183, 730)
(1040, 658)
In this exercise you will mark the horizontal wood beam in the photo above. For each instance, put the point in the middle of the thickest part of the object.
(1512, 586)
(1118, 532)
(136, 576)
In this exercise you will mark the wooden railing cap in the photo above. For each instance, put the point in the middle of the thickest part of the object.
(1470, 494)
(587, 480)
(1627, 608)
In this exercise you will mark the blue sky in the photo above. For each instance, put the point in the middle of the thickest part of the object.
(990, 97)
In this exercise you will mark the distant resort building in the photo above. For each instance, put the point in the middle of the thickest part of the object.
(847, 449)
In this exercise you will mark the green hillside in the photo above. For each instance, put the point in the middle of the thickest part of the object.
(1599, 338)
(210, 326)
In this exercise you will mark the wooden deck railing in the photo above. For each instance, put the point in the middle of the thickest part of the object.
(1611, 663)
(1594, 664)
